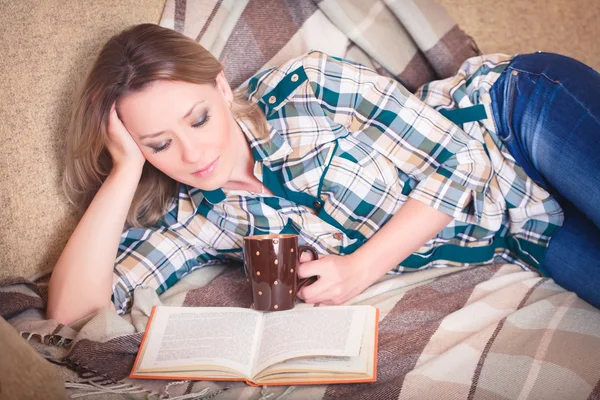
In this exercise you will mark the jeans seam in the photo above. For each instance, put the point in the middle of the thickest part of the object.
(495, 124)
(589, 112)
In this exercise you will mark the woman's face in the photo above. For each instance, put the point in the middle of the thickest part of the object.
(185, 130)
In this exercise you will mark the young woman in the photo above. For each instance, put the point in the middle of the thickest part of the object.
(179, 169)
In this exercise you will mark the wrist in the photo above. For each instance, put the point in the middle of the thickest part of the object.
(371, 266)
(131, 170)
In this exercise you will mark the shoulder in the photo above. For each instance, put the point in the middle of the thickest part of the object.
(274, 85)
(315, 63)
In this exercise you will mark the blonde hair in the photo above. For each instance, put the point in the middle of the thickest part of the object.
(129, 62)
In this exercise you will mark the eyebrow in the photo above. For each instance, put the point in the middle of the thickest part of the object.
(153, 135)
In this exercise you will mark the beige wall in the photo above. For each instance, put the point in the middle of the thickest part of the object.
(569, 27)
(46, 46)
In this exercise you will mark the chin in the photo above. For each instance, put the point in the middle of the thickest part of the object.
(211, 183)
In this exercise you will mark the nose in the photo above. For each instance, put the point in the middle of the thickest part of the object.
(190, 151)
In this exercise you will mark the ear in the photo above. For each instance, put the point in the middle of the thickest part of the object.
(223, 87)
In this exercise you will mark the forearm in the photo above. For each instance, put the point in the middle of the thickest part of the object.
(81, 282)
(411, 227)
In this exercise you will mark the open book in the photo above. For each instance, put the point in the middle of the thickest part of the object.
(315, 345)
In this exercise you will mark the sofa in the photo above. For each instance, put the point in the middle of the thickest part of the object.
(490, 331)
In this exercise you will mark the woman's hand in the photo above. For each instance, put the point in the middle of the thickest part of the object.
(340, 279)
(121, 146)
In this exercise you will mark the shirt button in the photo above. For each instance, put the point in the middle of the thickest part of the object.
(317, 204)
(272, 100)
(338, 236)
(295, 78)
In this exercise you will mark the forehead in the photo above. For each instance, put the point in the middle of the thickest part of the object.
(163, 93)
(161, 105)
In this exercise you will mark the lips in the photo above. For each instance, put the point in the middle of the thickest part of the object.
(208, 170)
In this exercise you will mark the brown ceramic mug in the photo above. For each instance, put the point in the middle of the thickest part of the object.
(270, 263)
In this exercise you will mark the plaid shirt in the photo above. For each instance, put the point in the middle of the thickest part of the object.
(345, 150)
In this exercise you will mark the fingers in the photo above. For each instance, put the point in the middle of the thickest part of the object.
(314, 291)
(113, 112)
(323, 292)
(308, 269)
(317, 289)
(339, 280)
(337, 302)
(305, 257)
(121, 144)
(115, 125)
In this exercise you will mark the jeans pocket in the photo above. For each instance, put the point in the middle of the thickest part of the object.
(509, 97)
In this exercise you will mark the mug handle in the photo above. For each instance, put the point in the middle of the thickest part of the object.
(310, 280)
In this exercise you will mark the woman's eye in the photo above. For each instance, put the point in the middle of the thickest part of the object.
(200, 121)
(163, 147)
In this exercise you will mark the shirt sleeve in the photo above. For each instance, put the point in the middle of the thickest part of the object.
(155, 258)
(448, 164)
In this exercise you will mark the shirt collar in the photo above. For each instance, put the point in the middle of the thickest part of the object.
(268, 147)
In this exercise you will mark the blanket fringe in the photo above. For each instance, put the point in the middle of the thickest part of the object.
(265, 396)
(96, 383)
(287, 391)
(100, 385)
(192, 396)
(50, 340)
(204, 394)
(93, 388)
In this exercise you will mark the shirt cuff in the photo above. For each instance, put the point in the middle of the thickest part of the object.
(448, 196)
(121, 299)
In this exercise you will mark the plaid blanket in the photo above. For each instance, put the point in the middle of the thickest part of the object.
(483, 332)
(487, 332)
(414, 41)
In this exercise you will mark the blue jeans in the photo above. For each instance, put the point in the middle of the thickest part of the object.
(547, 111)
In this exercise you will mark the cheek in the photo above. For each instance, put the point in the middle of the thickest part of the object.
(225, 135)
(162, 161)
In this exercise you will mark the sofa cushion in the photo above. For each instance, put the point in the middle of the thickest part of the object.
(24, 374)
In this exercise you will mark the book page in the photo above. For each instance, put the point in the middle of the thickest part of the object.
(320, 364)
(329, 367)
(325, 363)
(322, 331)
(184, 337)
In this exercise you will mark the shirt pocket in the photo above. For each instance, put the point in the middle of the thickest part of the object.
(361, 190)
